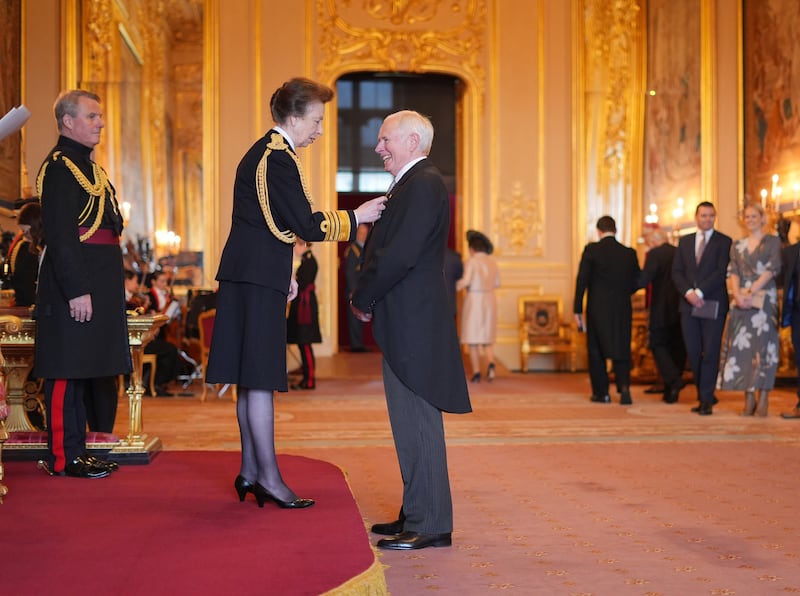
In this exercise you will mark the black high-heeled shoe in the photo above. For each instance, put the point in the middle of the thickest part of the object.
(242, 486)
(476, 378)
(262, 494)
(490, 373)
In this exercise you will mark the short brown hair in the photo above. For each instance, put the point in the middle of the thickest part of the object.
(293, 97)
(67, 103)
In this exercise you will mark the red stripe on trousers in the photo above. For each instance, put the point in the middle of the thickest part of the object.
(57, 422)
(310, 363)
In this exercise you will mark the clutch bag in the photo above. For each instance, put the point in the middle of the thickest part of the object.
(709, 310)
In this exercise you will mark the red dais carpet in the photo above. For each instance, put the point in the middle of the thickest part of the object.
(176, 526)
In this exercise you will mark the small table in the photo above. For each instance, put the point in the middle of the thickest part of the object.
(17, 344)
(141, 329)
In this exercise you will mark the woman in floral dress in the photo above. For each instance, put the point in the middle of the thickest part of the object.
(750, 349)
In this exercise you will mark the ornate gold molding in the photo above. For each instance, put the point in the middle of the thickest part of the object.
(520, 225)
(403, 35)
(609, 96)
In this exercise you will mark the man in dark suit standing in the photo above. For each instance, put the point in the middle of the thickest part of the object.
(666, 339)
(699, 271)
(402, 285)
(609, 273)
(791, 309)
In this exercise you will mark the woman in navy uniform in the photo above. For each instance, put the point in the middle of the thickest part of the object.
(271, 208)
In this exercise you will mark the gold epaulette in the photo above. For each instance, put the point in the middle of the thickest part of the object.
(96, 191)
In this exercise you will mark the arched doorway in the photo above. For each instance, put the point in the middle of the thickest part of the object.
(363, 100)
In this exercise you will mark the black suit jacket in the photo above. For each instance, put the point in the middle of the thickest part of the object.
(790, 290)
(664, 297)
(709, 276)
(609, 272)
(402, 282)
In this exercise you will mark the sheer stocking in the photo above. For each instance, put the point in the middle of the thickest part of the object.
(256, 415)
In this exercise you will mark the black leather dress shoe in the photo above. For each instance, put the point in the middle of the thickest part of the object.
(302, 385)
(414, 541)
(394, 528)
(791, 415)
(699, 408)
(600, 399)
(111, 466)
(80, 468)
(625, 399)
(704, 409)
(672, 391)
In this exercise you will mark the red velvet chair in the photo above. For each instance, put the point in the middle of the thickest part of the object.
(205, 324)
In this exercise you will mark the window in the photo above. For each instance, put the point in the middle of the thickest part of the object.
(364, 100)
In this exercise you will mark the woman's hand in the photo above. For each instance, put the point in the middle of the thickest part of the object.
(743, 299)
(370, 211)
(292, 290)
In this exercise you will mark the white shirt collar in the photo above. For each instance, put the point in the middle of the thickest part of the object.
(285, 135)
(407, 167)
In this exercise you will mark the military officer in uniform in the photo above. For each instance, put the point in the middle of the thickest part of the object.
(81, 328)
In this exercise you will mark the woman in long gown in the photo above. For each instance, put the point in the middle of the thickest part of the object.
(750, 350)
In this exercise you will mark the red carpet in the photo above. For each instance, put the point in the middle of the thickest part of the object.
(176, 526)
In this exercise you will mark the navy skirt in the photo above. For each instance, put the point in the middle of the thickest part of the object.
(248, 347)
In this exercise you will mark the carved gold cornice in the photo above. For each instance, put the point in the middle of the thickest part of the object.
(403, 35)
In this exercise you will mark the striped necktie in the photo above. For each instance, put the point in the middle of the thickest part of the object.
(701, 247)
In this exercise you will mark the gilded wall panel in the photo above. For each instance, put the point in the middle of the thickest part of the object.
(10, 97)
(610, 102)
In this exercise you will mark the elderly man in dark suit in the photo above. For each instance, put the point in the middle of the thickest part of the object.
(666, 339)
(791, 309)
(699, 271)
(609, 273)
(402, 285)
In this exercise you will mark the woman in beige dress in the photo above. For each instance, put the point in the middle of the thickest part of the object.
(479, 311)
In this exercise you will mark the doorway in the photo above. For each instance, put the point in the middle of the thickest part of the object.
(364, 100)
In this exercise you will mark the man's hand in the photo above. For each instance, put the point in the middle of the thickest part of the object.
(370, 211)
(292, 290)
(579, 322)
(694, 299)
(80, 308)
(364, 317)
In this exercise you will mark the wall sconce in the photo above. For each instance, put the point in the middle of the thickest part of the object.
(652, 217)
(168, 241)
(125, 210)
(677, 213)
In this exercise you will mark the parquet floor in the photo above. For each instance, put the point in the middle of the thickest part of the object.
(552, 494)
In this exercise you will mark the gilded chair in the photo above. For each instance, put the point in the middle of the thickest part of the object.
(205, 324)
(542, 331)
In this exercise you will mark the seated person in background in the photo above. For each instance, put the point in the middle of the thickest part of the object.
(23, 255)
(166, 353)
(162, 300)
